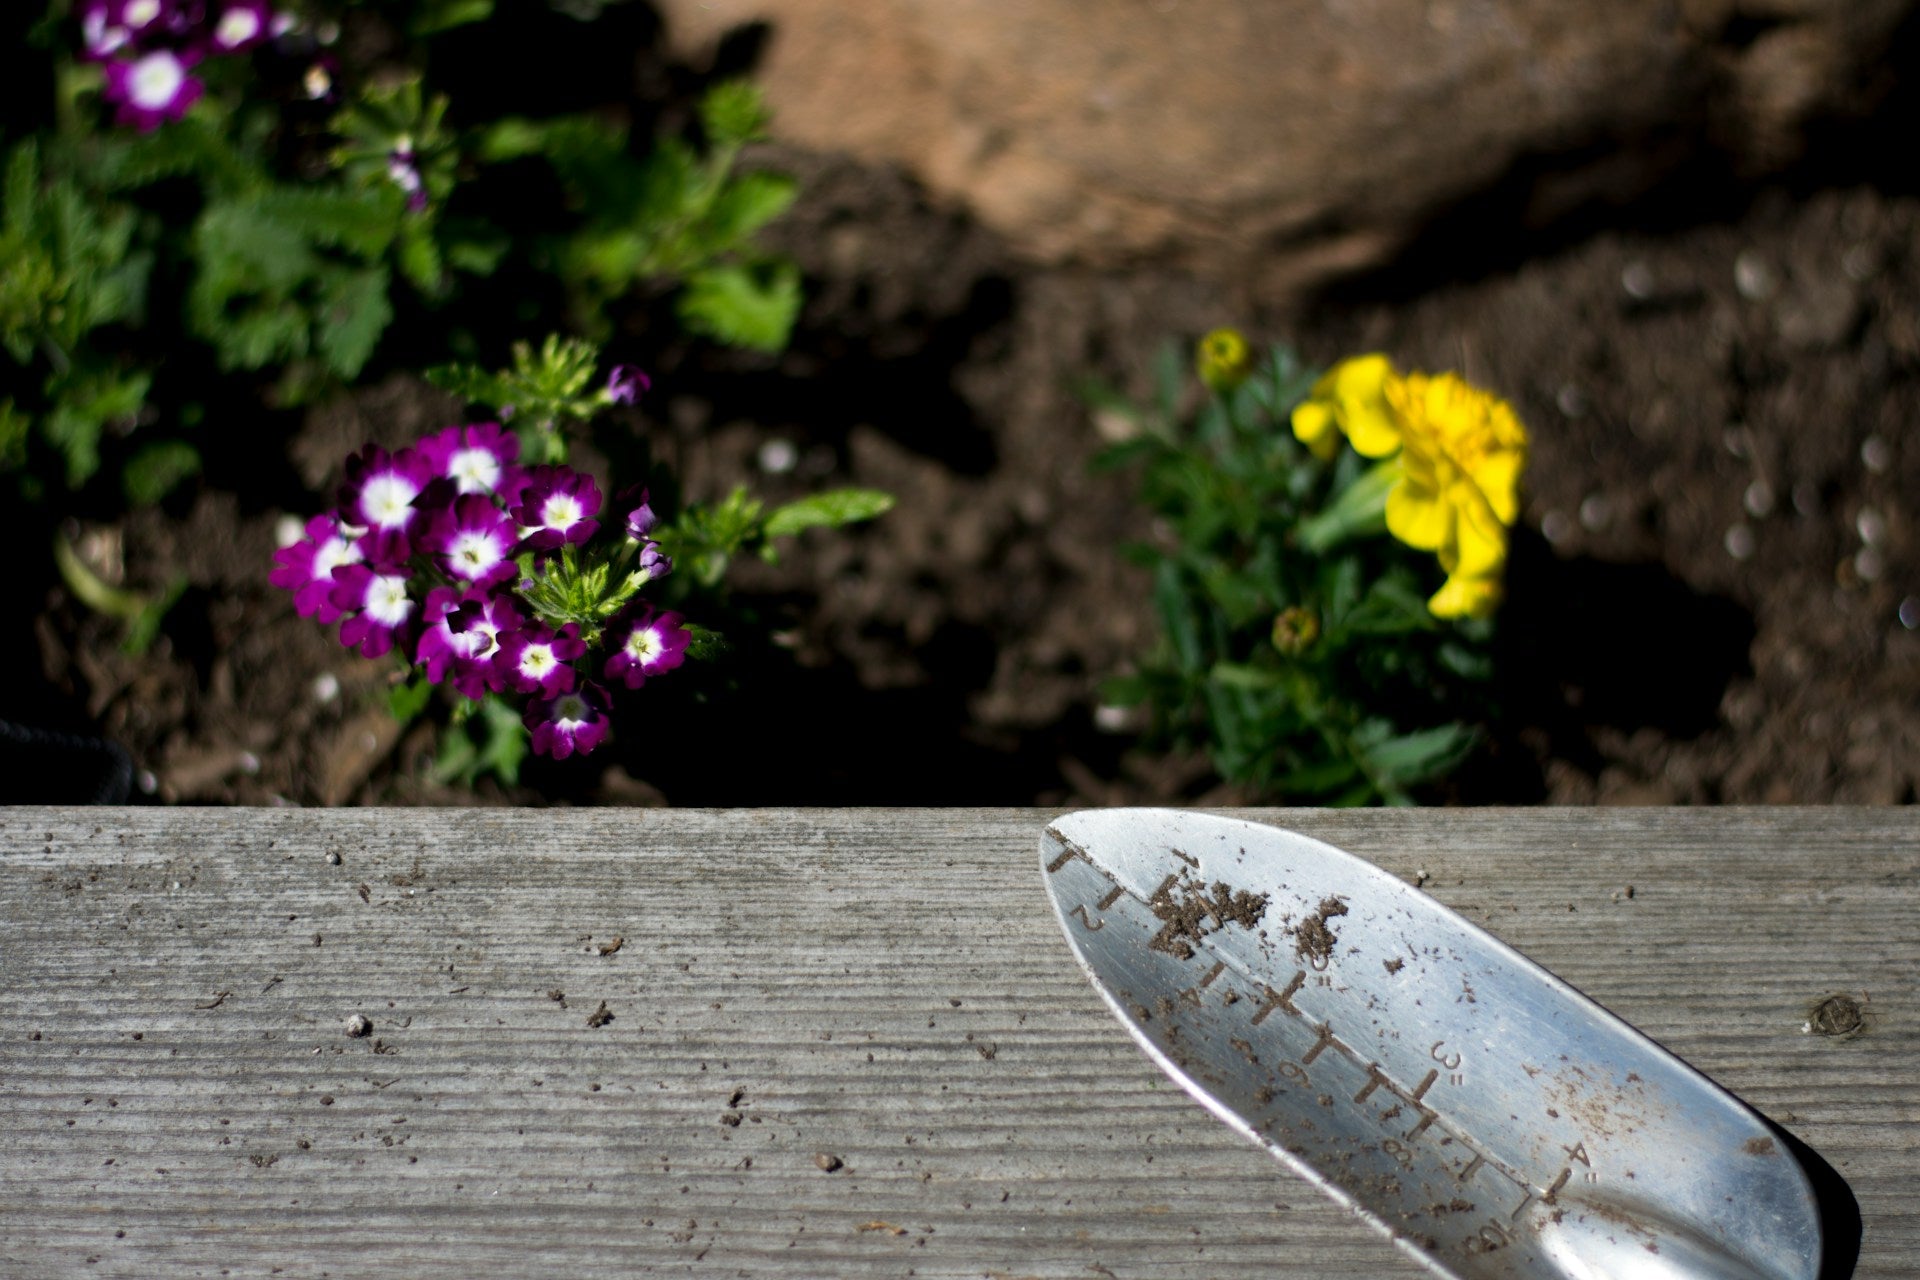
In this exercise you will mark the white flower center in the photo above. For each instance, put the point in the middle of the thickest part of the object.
(537, 660)
(387, 602)
(485, 637)
(571, 712)
(140, 12)
(561, 512)
(237, 26)
(155, 80)
(387, 500)
(333, 553)
(404, 175)
(474, 553)
(643, 646)
(101, 38)
(474, 470)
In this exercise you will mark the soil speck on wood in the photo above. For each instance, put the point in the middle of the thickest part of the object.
(600, 1017)
(1836, 1015)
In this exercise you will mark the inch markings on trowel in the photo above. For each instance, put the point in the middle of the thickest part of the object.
(1441, 1137)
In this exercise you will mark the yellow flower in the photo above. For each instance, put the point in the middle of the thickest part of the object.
(1462, 455)
(1466, 597)
(1223, 359)
(1351, 399)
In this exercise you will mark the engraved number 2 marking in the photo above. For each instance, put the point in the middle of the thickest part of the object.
(1093, 926)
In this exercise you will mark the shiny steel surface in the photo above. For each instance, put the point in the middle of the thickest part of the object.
(1486, 1116)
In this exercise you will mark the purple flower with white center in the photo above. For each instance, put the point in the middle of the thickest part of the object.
(474, 540)
(306, 567)
(478, 458)
(461, 640)
(626, 384)
(142, 17)
(650, 645)
(378, 495)
(572, 723)
(101, 32)
(380, 606)
(534, 659)
(558, 507)
(242, 24)
(153, 88)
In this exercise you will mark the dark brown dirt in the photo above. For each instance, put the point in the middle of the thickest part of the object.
(1188, 912)
(1313, 938)
(1705, 600)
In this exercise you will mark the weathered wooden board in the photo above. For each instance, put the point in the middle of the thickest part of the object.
(889, 989)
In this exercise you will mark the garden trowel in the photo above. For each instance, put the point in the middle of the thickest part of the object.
(1491, 1120)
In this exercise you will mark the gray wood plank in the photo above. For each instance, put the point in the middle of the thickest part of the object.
(885, 988)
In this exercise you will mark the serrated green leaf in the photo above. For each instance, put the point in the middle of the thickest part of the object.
(354, 312)
(746, 204)
(832, 508)
(362, 222)
(743, 306)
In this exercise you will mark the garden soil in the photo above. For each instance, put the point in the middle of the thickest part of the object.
(1705, 602)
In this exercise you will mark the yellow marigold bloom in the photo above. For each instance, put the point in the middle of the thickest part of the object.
(1223, 360)
(1466, 597)
(1350, 399)
(1463, 452)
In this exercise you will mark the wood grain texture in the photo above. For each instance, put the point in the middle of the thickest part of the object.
(178, 1096)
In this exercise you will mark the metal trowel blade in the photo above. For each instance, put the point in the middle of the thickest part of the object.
(1483, 1114)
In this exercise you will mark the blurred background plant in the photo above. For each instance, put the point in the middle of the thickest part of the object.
(217, 172)
(1311, 645)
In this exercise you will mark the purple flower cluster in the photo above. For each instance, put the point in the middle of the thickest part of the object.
(151, 47)
(423, 557)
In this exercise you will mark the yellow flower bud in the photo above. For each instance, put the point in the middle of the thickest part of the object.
(1223, 360)
(1295, 630)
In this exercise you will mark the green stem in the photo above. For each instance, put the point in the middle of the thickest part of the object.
(1360, 509)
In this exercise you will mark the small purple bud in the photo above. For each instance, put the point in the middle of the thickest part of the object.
(640, 519)
(626, 384)
(653, 563)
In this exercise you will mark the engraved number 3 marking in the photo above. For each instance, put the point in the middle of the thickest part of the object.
(1447, 1060)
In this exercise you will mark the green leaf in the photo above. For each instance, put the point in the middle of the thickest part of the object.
(406, 701)
(1416, 757)
(354, 312)
(440, 15)
(1178, 617)
(743, 306)
(1125, 691)
(733, 113)
(833, 508)
(1240, 675)
(746, 204)
(157, 469)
